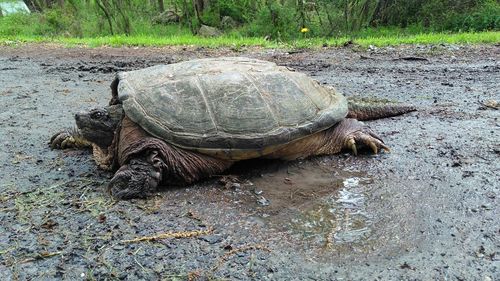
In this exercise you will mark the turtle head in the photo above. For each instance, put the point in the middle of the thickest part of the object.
(98, 125)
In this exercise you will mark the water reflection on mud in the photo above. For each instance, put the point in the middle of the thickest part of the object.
(315, 202)
(337, 218)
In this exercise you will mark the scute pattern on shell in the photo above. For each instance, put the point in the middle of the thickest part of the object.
(230, 106)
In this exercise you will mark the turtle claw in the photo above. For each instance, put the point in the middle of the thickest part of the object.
(68, 142)
(68, 139)
(60, 140)
(137, 179)
(351, 143)
(368, 139)
(373, 147)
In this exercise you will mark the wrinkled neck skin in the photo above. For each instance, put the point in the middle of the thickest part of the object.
(98, 125)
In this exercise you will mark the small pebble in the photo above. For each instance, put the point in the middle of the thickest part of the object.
(211, 239)
(158, 268)
(263, 201)
(257, 191)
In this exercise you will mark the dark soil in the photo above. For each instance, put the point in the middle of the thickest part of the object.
(429, 210)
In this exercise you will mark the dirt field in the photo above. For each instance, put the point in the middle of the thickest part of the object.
(429, 210)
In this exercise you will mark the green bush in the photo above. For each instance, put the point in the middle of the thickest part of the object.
(17, 24)
(54, 22)
(486, 17)
(238, 10)
(275, 21)
(211, 17)
(450, 15)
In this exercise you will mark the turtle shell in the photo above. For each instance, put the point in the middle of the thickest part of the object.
(233, 108)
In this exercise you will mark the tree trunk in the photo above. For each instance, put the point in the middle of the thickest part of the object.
(379, 15)
(33, 5)
(187, 17)
(122, 6)
(300, 10)
(199, 6)
(315, 6)
(161, 6)
(106, 14)
(346, 15)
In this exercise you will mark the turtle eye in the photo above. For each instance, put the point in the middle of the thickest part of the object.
(98, 115)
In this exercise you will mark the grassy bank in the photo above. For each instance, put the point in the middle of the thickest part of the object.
(488, 37)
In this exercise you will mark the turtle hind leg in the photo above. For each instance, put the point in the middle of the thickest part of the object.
(347, 134)
(351, 134)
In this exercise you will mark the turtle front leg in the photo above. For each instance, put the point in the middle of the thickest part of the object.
(139, 178)
(69, 138)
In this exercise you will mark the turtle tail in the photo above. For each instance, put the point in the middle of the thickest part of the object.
(371, 109)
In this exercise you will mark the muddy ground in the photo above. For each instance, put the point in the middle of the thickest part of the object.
(427, 210)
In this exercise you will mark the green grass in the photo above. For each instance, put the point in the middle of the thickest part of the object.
(435, 38)
(142, 40)
(56, 26)
(490, 37)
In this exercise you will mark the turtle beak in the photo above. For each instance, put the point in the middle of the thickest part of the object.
(77, 116)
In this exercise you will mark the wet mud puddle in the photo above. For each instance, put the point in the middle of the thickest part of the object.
(336, 218)
(314, 202)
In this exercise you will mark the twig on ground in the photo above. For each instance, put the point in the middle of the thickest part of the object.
(412, 58)
(181, 234)
(493, 104)
(42, 255)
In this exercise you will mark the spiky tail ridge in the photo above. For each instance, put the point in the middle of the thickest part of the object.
(370, 109)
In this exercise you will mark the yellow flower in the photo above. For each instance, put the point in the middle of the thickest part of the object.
(304, 29)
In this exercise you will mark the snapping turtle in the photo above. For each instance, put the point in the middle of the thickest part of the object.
(175, 124)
